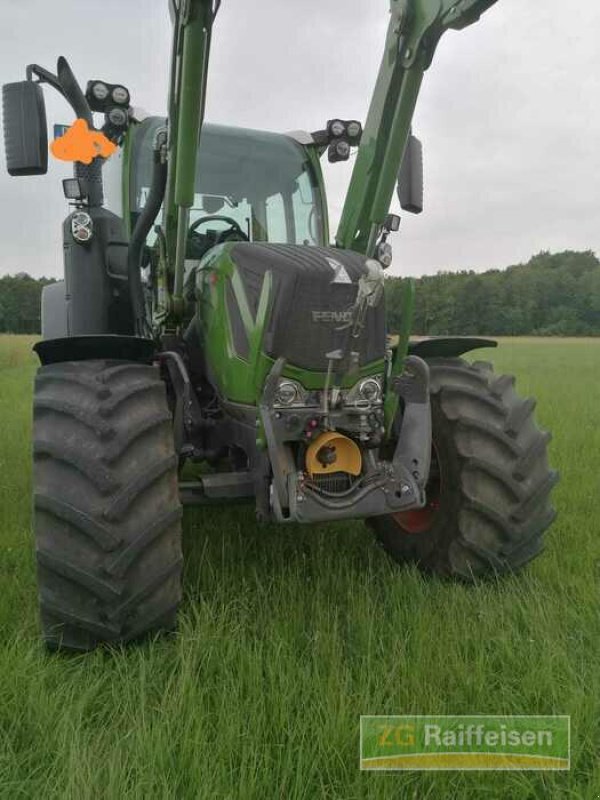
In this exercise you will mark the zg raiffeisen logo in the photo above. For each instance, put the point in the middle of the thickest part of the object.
(465, 743)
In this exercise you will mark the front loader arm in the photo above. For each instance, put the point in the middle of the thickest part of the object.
(192, 28)
(415, 29)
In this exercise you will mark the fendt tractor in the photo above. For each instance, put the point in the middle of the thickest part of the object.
(210, 343)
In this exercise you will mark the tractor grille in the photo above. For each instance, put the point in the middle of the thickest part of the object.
(336, 483)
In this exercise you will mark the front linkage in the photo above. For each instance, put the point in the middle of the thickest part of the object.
(383, 487)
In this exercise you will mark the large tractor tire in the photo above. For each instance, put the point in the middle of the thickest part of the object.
(488, 496)
(107, 512)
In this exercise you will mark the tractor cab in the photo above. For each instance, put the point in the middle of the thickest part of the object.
(251, 186)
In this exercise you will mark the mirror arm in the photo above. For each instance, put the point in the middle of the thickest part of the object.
(43, 76)
(65, 84)
(72, 91)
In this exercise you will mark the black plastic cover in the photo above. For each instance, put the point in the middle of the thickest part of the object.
(25, 128)
(448, 346)
(86, 348)
(314, 290)
(98, 296)
(410, 177)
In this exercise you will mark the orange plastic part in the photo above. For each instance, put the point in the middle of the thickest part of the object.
(80, 143)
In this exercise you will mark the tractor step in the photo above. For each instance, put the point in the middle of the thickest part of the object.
(219, 486)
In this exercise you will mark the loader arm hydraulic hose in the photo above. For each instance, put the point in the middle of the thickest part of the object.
(187, 98)
(141, 230)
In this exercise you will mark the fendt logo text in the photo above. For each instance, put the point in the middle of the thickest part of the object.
(332, 316)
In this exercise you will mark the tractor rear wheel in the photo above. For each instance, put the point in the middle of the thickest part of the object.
(107, 513)
(488, 495)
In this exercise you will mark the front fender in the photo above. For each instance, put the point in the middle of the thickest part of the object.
(85, 348)
(448, 346)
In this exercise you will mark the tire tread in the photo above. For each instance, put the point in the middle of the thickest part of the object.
(501, 505)
(107, 511)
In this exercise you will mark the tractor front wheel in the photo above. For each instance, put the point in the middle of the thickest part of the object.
(488, 495)
(106, 508)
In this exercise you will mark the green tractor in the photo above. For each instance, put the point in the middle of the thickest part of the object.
(209, 343)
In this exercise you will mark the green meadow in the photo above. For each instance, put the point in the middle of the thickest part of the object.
(288, 634)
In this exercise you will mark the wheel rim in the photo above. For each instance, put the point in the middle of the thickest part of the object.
(420, 520)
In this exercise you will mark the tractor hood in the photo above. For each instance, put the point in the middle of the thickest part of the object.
(312, 309)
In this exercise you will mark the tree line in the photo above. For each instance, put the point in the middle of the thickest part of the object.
(20, 299)
(554, 294)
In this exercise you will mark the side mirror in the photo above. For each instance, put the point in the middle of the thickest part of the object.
(25, 128)
(410, 177)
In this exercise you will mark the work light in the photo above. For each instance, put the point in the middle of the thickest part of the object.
(339, 150)
(118, 117)
(343, 149)
(120, 95)
(100, 90)
(103, 96)
(354, 131)
(337, 128)
(74, 189)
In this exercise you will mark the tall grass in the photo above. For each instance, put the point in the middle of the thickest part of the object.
(289, 633)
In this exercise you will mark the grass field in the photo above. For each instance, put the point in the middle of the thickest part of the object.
(288, 634)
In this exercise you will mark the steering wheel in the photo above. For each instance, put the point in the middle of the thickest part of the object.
(222, 236)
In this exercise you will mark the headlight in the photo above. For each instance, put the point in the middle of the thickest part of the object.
(368, 390)
(82, 227)
(288, 392)
(384, 254)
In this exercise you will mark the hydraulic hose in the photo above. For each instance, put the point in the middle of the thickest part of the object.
(141, 230)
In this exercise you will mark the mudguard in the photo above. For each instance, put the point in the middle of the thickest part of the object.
(448, 346)
(84, 348)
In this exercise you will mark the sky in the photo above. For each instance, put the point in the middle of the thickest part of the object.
(509, 113)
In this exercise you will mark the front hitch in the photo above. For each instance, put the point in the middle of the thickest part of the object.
(383, 487)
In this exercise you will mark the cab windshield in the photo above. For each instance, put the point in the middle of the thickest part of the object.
(262, 182)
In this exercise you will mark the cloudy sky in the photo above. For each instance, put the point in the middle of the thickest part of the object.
(509, 113)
